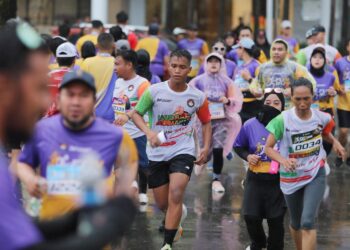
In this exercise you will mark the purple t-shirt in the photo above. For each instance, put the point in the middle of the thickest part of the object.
(157, 64)
(240, 82)
(230, 68)
(323, 83)
(16, 229)
(53, 144)
(232, 55)
(343, 68)
(213, 89)
(292, 42)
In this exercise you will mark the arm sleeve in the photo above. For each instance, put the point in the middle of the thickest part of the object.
(143, 87)
(241, 144)
(203, 112)
(276, 127)
(145, 103)
(30, 154)
(329, 127)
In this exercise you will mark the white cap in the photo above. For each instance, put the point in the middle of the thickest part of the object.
(66, 49)
(178, 31)
(122, 44)
(286, 24)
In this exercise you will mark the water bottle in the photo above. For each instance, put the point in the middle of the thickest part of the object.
(92, 190)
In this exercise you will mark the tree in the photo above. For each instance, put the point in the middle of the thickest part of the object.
(8, 9)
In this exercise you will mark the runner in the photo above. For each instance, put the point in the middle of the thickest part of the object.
(122, 21)
(262, 43)
(225, 102)
(97, 29)
(220, 47)
(77, 133)
(65, 55)
(327, 86)
(332, 54)
(87, 50)
(129, 88)
(53, 43)
(343, 106)
(310, 36)
(243, 77)
(143, 62)
(23, 71)
(173, 105)
(263, 198)
(286, 35)
(101, 67)
(157, 49)
(301, 131)
(245, 32)
(196, 46)
(279, 72)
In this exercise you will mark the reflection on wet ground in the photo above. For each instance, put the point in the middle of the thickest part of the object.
(215, 223)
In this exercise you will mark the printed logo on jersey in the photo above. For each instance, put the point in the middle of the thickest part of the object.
(131, 87)
(190, 103)
(179, 117)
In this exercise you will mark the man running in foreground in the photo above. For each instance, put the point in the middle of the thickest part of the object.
(173, 105)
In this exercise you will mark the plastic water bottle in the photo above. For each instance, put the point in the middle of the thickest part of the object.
(92, 190)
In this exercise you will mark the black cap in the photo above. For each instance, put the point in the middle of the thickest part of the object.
(78, 76)
(310, 33)
(319, 28)
(192, 27)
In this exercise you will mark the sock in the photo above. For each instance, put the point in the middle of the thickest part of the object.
(169, 235)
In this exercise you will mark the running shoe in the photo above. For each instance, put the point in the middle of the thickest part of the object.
(166, 247)
(180, 230)
(338, 162)
(216, 186)
(327, 168)
(348, 161)
(143, 199)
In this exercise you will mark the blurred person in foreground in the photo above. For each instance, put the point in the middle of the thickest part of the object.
(23, 74)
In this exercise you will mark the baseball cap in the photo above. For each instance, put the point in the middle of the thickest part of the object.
(311, 32)
(153, 29)
(319, 28)
(178, 31)
(78, 76)
(122, 44)
(66, 49)
(246, 43)
(213, 55)
(286, 24)
(319, 48)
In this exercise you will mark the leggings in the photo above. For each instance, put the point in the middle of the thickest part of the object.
(257, 235)
(303, 204)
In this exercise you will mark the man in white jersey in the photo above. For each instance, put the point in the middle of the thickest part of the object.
(173, 106)
(128, 89)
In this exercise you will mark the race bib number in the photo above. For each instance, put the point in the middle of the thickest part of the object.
(306, 144)
(119, 106)
(347, 85)
(63, 180)
(217, 110)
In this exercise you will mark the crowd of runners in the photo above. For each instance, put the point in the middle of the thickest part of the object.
(89, 123)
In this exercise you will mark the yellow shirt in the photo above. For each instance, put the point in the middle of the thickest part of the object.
(102, 68)
(83, 39)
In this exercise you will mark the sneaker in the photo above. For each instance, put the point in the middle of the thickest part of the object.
(143, 199)
(198, 169)
(180, 230)
(338, 162)
(216, 186)
(348, 161)
(327, 168)
(166, 247)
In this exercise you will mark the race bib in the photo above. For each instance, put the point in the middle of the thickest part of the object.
(315, 105)
(347, 85)
(306, 144)
(217, 110)
(119, 106)
(63, 180)
(241, 83)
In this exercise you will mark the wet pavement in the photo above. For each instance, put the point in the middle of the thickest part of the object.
(214, 223)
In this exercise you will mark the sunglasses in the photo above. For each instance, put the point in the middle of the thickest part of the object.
(28, 36)
(219, 49)
(274, 90)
